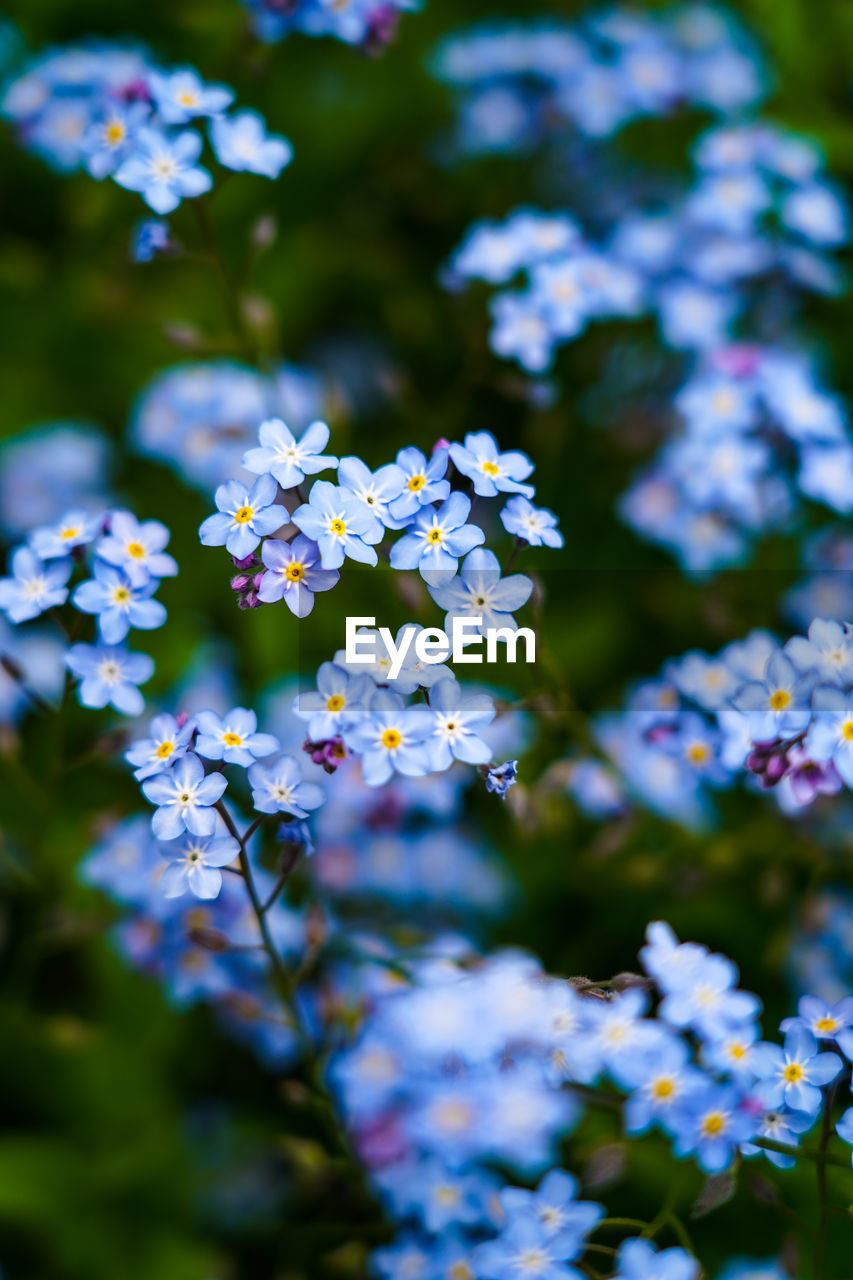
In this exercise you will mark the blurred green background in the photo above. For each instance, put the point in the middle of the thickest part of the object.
(139, 1143)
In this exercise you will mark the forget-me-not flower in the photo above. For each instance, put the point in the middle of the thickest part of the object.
(164, 170)
(339, 700)
(491, 471)
(233, 737)
(136, 547)
(278, 788)
(33, 586)
(423, 482)
(167, 742)
(794, 1074)
(437, 538)
(118, 604)
(456, 721)
(241, 143)
(75, 529)
(182, 95)
(293, 574)
(290, 460)
(195, 866)
(374, 489)
(391, 738)
(536, 525)
(184, 797)
(245, 516)
(478, 590)
(108, 676)
(335, 519)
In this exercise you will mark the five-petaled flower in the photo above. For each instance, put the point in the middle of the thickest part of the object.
(245, 516)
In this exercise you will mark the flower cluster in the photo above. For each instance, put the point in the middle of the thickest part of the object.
(779, 717)
(484, 1063)
(110, 110)
(758, 431)
(758, 207)
(522, 82)
(315, 533)
(370, 24)
(126, 561)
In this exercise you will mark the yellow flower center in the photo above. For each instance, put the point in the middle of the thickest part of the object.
(165, 749)
(828, 1024)
(295, 572)
(339, 751)
(490, 468)
(335, 702)
(187, 99)
(391, 738)
(460, 1271)
(663, 1088)
(69, 533)
(780, 699)
(136, 550)
(122, 595)
(793, 1072)
(114, 132)
(232, 739)
(697, 753)
(338, 527)
(737, 1051)
(243, 515)
(847, 730)
(416, 482)
(434, 535)
(713, 1124)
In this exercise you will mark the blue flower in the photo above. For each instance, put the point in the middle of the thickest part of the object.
(795, 1074)
(778, 705)
(136, 547)
(701, 994)
(110, 139)
(167, 743)
(478, 590)
(164, 170)
(150, 237)
(75, 529)
(334, 519)
(640, 1260)
(660, 1079)
(521, 331)
(246, 515)
(500, 778)
(184, 797)
(830, 734)
(278, 788)
(290, 460)
(241, 143)
(109, 675)
(340, 700)
(535, 525)
(376, 490)
(438, 537)
(825, 1021)
(780, 1126)
(523, 1248)
(292, 574)
(553, 1207)
(196, 867)
(490, 470)
(711, 1127)
(233, 737)
(423, 482)
(182, 95)
(119, 604)
(391, 738)
(827, 653)
(456, 721)
(33, 586)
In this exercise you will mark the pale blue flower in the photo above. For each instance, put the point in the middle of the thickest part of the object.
(490, 470)
(339, 524)
(245, 516)
(184, 797)
(232, 737)
(118, 603)
(278, 788)
(33, 586)
(164, 170)
(109, 675)
(195, 866)
(290, 460)
(241, 143)
(438, 537)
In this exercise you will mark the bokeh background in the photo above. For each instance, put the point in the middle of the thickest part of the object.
(139, 1142)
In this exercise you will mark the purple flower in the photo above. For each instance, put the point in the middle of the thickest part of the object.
(293, 574)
